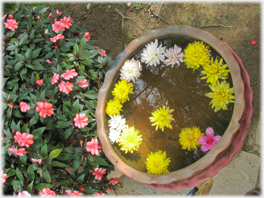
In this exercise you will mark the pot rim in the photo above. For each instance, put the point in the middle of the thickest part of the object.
(221, 146)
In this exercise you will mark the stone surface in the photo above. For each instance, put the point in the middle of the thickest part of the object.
(237, 178)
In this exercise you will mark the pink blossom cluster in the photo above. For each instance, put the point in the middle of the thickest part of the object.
(10, 23)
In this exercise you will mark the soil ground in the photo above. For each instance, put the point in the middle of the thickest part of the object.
(114, 25)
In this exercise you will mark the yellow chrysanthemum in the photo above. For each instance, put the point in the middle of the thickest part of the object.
(196, 54)
(157, 162)
(215, 71)
(188, 137)
(113, 107)
(130, 139)
(122, 89)
(221, 96)
(162, 118)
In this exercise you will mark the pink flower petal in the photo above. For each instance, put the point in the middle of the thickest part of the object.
(210, 131)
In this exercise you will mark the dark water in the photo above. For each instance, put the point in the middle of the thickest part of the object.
(181, 89)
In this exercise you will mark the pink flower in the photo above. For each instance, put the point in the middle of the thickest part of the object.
(53, 39)
(44, 109)
(57, 26)
(24, 139)
(24, 194)
(37, 17)
(48, 61)
(69, 74)
(80, 120)
(3, 178)
(98, 193)
(74, 193)
(83, 83)
(46, 192)
(60, 36)
(10, 16)
(24, 106)
(39, 82)
(3, 17)
(95, 47)
(57, 11)
(102, 53)
(114, 181)
(36, 160)
(98, 172)
(110, 189)
(210, 141)
(81, 189)
(50, 15)
(19, 152)
(11, 24)
(55, 78)
(65, 87)
(87, 36)
(66, 21)
(11, 106)
(93, 146)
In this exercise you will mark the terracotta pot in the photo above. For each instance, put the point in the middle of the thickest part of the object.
(213, 155)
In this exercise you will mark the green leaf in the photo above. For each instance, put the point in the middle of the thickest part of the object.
(67, 133)
(11, 47)
(80, 78)
(80, 178)
(89, 190)
(24, 38)
(42, 95)
(46, 175)
(82, 44)
(43, 185)
(55, 153)
(11, 172)
(75, 164)
(29, 187)
(58, 164)
(17, 186)
(30, 172)
(90, 157)
(44, 151)
(36, 53)
(17, 113)
(94, 76)
(28, 54)
(19, 175)
(76, 49)
(91, 94)
(33, 121)
(18, 65)
(76, 106)
(23, 159)
(100, 161)
(38, 132)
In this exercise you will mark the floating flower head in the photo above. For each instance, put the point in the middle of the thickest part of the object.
(113, 107)
(157, 162)
(130, 70)
(114, 135)
(130, 139)
(153, 54)
(121, 90)
(210, 141)
(174, 55)
(215, 71)
(196, 54)
(221, 96)
(162, 118)
(117, 122)
(188, 137)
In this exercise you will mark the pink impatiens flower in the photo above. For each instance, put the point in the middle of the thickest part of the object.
(114, 181)
(3, 177)
(24, 139)
(69, 74)
(83, 83)
(55, 78)
(24, 194)
(46, 192)
(24, 106)
(44, 109)
(3, 17)
(87, 36)
(210, 141)
(11, 24)
(57, 37)
(36, 160)
(65, 87)
(11, 106)
(102, 53)
(48, 61)
(19, 152)
(57, 26)
(80, 120)
(93, 146)
(39, 82)
(74, 193)
(99, 172)
(66, 21)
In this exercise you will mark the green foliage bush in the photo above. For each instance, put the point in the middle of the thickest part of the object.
(29, 56)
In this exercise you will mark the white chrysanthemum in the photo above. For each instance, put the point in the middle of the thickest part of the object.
(174, 56)
(152, 54)
(114, 135)
(117, 122)
(130, 70)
